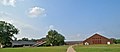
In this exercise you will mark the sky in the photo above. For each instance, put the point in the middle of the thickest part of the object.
(74, 19)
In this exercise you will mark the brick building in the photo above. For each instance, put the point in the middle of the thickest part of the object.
(97, 39)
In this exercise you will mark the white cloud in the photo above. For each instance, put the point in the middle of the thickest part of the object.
(21, 0)
(51, 27)
(26, 30)
(36, 11)
(18, 23)
(8, 2)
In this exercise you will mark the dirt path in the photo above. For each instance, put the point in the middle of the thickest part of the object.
(70, 49)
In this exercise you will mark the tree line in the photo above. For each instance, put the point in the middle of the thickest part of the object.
(52, 39)
(7, 32)
(115, 41)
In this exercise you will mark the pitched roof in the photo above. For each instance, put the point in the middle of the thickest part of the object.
(95, 35)
(22, 42)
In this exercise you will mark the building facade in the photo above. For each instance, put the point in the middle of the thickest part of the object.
(97, 39)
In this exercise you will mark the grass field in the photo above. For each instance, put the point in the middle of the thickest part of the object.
(36, 49)
(98, 48)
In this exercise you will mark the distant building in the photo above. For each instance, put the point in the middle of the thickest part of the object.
(97, 39)
(39, 43)
(27, 43)
(73, 42)
(22, 43)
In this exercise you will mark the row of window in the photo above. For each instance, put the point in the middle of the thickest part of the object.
(97, 42)
(96, 38)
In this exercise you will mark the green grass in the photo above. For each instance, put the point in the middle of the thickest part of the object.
(98, 48)
(36, 49)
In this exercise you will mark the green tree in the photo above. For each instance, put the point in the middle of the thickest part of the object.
(118, 41)
(33, 39)
(54, 38)
(114, 40)
(7, 31)
(25, 39)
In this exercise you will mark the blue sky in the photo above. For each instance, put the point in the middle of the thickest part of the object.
(75, 19)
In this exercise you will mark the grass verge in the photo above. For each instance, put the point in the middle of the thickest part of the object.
(36, 49)
(98, 48)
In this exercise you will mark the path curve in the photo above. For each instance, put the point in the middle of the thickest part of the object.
(70, 49)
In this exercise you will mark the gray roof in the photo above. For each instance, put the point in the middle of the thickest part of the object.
(23, 42)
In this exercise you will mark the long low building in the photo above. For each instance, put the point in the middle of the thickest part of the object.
(22, 43)
(27, 43)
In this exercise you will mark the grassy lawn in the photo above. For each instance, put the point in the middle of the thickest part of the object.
(36, 49)
(98, 48)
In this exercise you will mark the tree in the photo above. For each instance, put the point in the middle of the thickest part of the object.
(118, 41)
(54, 38)
(33, 39)
(7, 31)
(25, 39)
(114, 40)
(15, 38)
